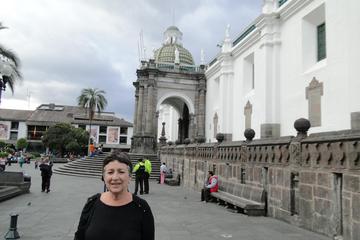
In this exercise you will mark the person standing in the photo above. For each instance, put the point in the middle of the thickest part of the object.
(163, 170)
(116, 214)
(147, 174)
(210, 186)
(139, 171)
(21, 159)
(46, 172)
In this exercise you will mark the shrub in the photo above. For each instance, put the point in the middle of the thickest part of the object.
(3, 154)
(21, 143)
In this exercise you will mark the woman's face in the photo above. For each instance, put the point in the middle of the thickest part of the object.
(116, 177)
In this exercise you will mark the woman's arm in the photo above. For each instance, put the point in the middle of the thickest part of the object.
(148, 228)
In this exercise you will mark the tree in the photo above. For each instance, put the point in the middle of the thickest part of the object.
(65, 138)
(21, 144)
(9, 67)
(92, 99)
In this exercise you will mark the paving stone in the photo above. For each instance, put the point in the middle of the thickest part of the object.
(178, 213)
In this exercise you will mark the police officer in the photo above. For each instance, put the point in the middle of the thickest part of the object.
(147, 174)
(139, 171)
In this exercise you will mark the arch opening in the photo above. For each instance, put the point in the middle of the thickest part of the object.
(174, 111)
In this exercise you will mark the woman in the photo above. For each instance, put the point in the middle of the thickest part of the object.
(163, 170)
(116, 214)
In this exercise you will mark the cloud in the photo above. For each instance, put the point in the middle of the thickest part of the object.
(68, 45)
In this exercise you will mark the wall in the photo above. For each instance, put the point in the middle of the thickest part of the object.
(284, 48)
(311, 182)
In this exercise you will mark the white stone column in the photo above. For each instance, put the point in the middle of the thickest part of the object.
(270, 48)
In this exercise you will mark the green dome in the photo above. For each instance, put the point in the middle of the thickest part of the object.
(167, 54)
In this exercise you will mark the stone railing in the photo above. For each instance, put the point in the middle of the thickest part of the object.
(310, 181)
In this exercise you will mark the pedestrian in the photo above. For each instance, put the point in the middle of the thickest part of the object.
(36, 164)
(163, 170)
(139, 171)
(46, 172)
(10, 157)
(2, 163)
(116, 214)
(21, 159)
(211, 185)
(148, 170)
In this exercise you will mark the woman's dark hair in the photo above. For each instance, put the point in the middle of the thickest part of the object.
(211, 173)
(120, 157)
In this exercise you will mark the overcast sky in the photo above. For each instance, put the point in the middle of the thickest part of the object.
(68, 45)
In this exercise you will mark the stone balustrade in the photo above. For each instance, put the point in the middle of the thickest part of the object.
(310, 181)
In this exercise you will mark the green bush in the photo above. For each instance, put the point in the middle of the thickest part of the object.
(21, 144)
(3, 154)
(2, 144)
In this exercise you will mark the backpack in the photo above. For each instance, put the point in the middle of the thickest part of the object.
(141, 170)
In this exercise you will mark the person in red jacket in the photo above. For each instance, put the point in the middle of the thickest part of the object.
(210, 186)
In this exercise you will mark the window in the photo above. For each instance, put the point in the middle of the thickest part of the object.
(14, 125)
(123, 140)
(83, 126)
(249, 73)
(103, 129)
(36, 132)
(321, 42)
(102, 138)
(281, 2)
(13, 135)
(314, 38)
(123, 130)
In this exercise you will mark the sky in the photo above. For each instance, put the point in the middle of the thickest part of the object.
(68, 45)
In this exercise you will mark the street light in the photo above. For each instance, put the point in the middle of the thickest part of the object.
(5, 74)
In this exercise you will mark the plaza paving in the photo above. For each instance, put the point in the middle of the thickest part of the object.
(179, 215)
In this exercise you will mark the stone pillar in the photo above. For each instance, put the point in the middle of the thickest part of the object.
(355, 120)
(140, 110)
(156, 120)
(191, 127)
(180, 131)
(201, 118)
(150, 111)
(270, 72)
(136, 110)
(162, 139)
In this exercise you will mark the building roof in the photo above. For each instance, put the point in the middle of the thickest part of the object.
(50, 114)
(12, 114)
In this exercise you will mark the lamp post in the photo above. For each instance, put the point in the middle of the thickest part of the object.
(5, 74)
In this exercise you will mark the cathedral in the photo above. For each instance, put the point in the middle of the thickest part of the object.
(296, 60)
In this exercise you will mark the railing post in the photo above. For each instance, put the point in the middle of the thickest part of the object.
(13, 233)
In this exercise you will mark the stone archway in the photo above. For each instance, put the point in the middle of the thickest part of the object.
(170, 76)
(156, 85)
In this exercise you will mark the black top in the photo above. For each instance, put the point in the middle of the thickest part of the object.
(133, 221)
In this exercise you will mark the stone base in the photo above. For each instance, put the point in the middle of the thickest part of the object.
(270, 130)
(355, 120)
(143, 144)
(227, 137)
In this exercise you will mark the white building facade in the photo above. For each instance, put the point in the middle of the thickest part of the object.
(297, 59)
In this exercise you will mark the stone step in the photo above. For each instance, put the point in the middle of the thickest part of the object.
(92, 167)
(7, 192)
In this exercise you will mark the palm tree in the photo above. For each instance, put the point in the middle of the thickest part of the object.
(92, 99)
(9, 67)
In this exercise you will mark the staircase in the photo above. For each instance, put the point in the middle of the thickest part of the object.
(92, 167)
